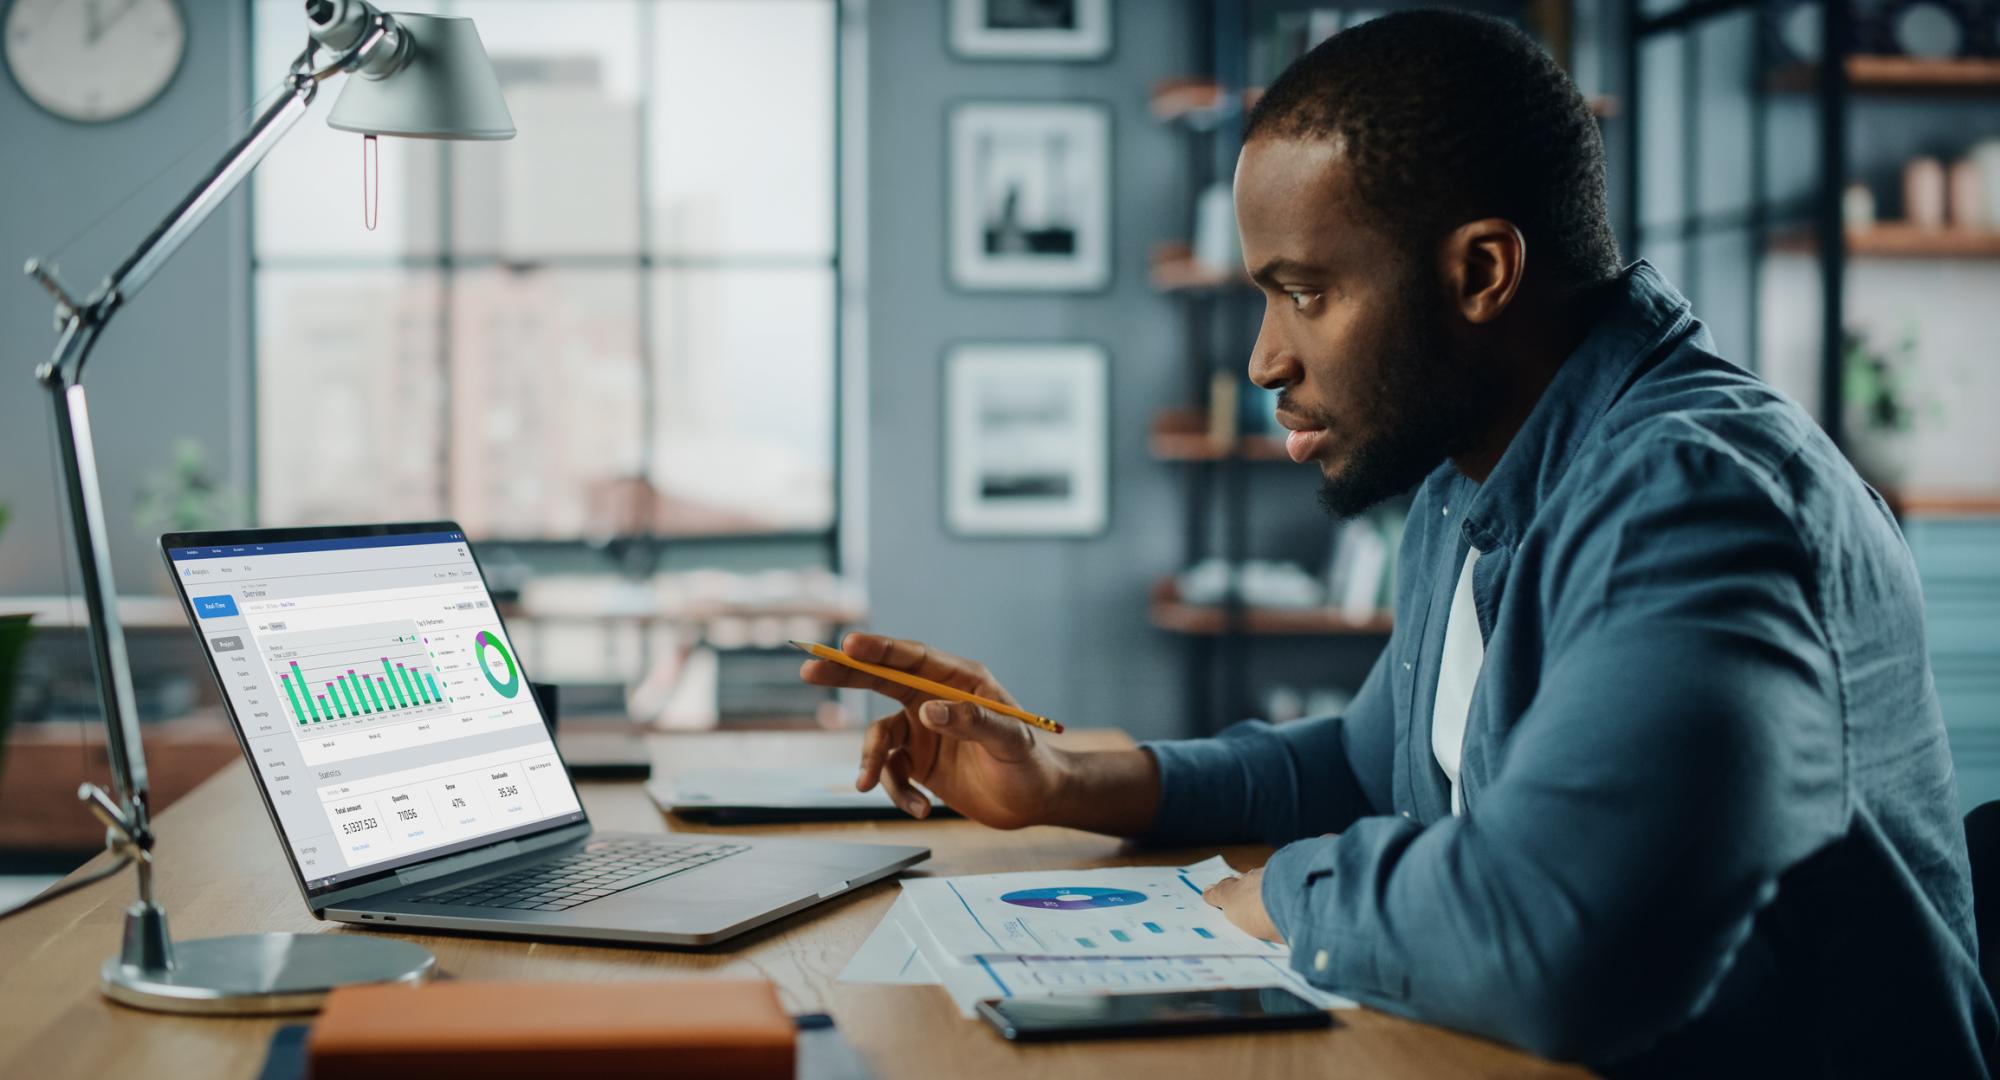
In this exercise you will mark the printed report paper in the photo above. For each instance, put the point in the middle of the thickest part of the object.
(1152, 912)
(985, 978)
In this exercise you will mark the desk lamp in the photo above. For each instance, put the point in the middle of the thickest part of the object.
(419, 77)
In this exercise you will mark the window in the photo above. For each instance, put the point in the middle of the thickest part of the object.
(621, 321)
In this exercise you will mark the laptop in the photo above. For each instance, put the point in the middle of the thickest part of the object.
(386, 715)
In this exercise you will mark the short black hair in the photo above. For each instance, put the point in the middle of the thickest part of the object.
(1450, 117)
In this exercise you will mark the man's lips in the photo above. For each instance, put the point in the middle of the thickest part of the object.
(1305, 445)
(1305, 439)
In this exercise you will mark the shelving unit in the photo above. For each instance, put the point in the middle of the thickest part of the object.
(1208, 107)
(1833, 88)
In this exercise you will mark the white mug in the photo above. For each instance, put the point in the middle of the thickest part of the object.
(1985, 156)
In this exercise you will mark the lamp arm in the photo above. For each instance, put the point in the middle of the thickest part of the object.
(80, 322)
(302, 86)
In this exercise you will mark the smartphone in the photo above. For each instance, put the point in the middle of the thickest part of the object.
(1182, 1012)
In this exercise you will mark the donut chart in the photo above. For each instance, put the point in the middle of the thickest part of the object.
(1080, 898)
(505, 688)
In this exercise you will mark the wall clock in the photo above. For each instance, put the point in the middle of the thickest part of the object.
(94, 60)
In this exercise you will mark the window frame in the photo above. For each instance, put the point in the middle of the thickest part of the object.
(447, 264)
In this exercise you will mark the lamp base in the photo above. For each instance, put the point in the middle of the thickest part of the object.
(262, 974)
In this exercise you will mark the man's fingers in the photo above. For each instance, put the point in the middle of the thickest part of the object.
(1004, 737)
(918, 658)
(828, 673)
(881, 737)
(896, 781)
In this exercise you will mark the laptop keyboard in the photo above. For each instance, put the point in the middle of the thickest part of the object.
(602, 868)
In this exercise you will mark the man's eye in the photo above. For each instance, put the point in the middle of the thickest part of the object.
(1301, 300)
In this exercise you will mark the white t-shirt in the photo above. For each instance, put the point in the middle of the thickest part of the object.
(1464, 651)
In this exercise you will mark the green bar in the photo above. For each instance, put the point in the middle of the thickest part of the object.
(394, 685)
(347, 691)
(321, 699)
(409, 684)
(372, 698)
(333, 696)
(294, 695)
(433, 684)
(382, 687)
(305, 690)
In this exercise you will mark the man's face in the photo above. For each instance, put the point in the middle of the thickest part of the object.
(1377, 380)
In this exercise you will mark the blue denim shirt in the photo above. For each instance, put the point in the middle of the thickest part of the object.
(1710, 824)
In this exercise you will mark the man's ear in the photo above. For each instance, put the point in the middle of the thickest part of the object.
(1483, 263)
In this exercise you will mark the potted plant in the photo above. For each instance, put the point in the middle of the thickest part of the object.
(14, 635)
(1881, 396)
(185, 496)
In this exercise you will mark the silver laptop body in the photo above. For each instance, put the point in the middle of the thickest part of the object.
(411, 778)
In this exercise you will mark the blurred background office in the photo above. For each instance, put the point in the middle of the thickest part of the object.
(785, 317)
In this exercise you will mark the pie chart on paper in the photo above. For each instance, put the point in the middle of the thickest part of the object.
(1081, 898)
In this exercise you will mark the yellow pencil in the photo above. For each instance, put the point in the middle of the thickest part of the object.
(928, 686)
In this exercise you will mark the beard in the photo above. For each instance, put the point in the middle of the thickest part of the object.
(1431, 399)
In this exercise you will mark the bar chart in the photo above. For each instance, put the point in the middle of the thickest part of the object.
(355, 673)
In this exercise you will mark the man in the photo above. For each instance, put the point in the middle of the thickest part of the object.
(1651, 774)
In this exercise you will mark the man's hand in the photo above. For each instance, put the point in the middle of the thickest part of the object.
(1242, 899)
(989, 767)
(993, 769)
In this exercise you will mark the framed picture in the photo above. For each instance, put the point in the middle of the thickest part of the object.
(1031, 29)
(1026, 447)
(1031, 196)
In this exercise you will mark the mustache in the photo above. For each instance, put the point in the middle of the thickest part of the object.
(1289, 404)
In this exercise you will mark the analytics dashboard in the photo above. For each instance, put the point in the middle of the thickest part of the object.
(379, 698)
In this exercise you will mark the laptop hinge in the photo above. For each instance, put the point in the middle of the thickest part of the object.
(452, 864)
(438, 868)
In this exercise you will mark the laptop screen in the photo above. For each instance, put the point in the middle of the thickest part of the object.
(380, 701)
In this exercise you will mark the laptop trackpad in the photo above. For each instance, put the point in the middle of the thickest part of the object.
(712, 897)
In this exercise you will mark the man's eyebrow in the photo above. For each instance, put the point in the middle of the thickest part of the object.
(1267, 274)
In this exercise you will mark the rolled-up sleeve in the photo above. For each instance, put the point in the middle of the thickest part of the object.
(1682, 750)
(1274, 784)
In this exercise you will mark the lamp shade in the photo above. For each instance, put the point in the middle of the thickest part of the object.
(446, 90)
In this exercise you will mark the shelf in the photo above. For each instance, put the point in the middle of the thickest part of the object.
(1175, 270)
(1199, 103)
(1182, 435)
(1202, 103)
(1943, 503)
(1901, 75)
(1901, 240)
(1167, 612)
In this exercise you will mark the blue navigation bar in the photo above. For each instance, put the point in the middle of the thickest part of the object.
(215, 607)
(287, 547)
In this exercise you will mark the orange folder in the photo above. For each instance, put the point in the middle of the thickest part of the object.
(693, 1029)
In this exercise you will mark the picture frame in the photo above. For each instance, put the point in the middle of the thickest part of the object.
(1027, 444)
(1030, 196)
(1031, 29)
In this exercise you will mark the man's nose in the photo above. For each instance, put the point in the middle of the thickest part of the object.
(1273, 365)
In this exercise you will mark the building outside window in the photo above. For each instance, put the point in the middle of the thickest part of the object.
(622, 321)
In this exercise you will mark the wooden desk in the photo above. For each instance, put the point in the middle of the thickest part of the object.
(221, 872)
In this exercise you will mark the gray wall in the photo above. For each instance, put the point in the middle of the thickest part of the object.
(1061, 622)
(175, 363)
